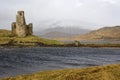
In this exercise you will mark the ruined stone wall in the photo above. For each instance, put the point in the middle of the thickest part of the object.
(19, 28)
(30, 29)
(13, 28)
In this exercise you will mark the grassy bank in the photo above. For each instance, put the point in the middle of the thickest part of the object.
(6, 39)
(100, 45)
(27, 41)
(109, 72)
(4, 33)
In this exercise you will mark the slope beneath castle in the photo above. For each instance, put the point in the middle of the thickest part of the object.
(7, 40)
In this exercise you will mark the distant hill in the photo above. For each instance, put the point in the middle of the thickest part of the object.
(103, 33)
(58, 32)
(106, 33)
(4, 33)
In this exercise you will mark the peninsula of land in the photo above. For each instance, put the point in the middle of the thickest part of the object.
(21, 35)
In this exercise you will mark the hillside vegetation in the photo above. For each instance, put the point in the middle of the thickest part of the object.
(110, 72)
(103, 33)
(4, 33)
(106, 33)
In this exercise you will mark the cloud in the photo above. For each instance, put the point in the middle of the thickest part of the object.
(78, 3)
(39, 11)
(109, 1)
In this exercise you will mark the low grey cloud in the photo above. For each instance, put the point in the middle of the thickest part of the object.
(45, 12)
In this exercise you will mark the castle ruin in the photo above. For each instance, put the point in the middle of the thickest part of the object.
(20, 28)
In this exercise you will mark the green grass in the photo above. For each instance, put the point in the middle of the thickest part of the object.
(101, 45)
(109, 72)
(29, 40)
(35, 39)
(4, 33)
(5, 38)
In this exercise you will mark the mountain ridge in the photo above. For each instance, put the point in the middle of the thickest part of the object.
(57, 32)
(105, 33)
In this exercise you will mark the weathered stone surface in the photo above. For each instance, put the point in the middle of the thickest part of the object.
(19, 28)
(13, 28)
(30, 29)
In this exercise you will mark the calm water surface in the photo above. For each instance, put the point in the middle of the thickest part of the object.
(17, 61)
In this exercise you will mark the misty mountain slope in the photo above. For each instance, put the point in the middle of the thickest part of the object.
(106, 33)
(103, 33)
(65, 32)
(71, 30)
(57, 34)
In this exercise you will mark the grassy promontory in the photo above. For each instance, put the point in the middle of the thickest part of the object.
(109, 72)
(27, 41)
(7, 40)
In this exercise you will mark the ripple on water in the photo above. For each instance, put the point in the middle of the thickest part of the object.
(16, 61)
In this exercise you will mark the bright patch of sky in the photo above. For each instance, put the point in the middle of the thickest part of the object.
(89, 14)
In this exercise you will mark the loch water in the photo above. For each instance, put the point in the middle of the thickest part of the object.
(17, 61)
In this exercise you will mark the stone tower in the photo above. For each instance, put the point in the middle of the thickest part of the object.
(19, 28)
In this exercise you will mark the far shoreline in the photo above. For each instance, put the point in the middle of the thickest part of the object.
(65, 45)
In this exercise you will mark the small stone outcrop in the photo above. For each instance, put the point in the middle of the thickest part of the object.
(76, 43)
(20, 28)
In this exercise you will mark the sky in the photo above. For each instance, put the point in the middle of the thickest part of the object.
(88, 14)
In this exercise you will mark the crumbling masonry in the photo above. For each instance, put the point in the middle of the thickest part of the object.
(19, 28)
